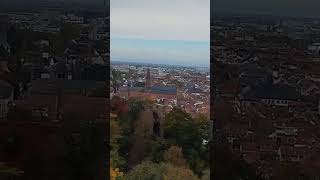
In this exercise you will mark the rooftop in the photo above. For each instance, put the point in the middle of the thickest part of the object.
(281, 92)
(163, 89)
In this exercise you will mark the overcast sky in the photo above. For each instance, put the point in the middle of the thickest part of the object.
(161, 31)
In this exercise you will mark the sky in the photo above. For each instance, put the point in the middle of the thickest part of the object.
(304, 8)
(161, 31)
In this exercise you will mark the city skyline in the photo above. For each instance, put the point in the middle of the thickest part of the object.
(178, 35)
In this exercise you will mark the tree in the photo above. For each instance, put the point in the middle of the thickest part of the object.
(115, 136)
(146, 171)
(149, 101)
(206, 175)
(175, 156)
(163, 171)
(203, 124)
(135, 107)
(115, 173)
(158, 147)
(178, 173)
(182, 130)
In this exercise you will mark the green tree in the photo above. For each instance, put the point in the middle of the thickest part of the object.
(203, 125)
(181, 129)
(172, 172)
(189, 133)
(175, 156)
(163, 171)
(115, 135)
(146, 171)
(206, 175)
(158, 147)
(135, 107)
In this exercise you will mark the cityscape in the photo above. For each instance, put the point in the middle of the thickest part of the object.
(266, 86)
(53, 92)
(150, 109)
(169, 86)
(159, 90)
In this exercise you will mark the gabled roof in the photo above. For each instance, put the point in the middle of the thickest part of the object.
(281, 92)
(163, 90)
(49, 86)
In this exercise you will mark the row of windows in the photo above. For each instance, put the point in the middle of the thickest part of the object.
(269, 101)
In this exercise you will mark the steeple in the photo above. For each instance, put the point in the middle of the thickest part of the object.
(148, 81)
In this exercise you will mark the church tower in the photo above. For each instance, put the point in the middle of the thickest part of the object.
(148, 81)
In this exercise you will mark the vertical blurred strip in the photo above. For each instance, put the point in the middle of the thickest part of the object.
(106, 4)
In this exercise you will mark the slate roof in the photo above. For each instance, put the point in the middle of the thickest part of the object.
(48, 86)
(139, 84)
(192, 89)
(163, 90)
(125, 89)
(281, 92)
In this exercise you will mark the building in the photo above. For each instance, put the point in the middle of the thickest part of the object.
(148, 80)
(3, 34)
(56, 97)
(6, 97)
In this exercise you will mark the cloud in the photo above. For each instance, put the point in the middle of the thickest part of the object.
(160, 19)
(161, 31)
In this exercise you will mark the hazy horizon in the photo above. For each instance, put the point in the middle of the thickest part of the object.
(144, 61)
(163, 32)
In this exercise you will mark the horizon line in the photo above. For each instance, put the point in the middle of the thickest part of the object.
(154, 63)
